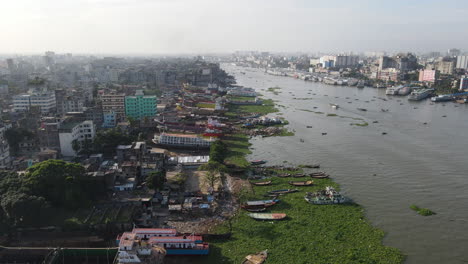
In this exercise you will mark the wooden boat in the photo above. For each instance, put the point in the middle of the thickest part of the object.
(262, 202)
(320, 176)
(267, 216)
(284, 175)
(256, 206)
(313, 166)
(309, 126)
(362, 109)
(261, 183)
(283, 191)
(318, 173)
(301, 183)
(258, 162)
(257, 258)
(259, 209)
(298, 175)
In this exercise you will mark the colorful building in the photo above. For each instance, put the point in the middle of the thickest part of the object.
(427, 76)
(140, 106)
(109, 119)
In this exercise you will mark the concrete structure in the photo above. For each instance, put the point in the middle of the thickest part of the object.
(446, 65)
(453, 52)
(427, 76)
(109, 119)
(48, 135)
(462, 62)
(114, 103)
(45, 100)
(70, 131)
(339, 61)
(4, 147)
(140, 106)
(183, 140)
(464, 83)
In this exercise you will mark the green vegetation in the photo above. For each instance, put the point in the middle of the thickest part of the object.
(285, 133)
(14, 136)
(422, 211)
(156, 179)
(107, 140)
(241, 98)
(237, 148)
(360, 124)
(205, 105)
(274, 90)
(310, 234)
(46, 193)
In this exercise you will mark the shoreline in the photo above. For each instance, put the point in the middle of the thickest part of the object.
(270, 235)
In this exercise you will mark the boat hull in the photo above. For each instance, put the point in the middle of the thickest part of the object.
(187, 252)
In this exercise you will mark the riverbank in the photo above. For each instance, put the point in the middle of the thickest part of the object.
(310, 234)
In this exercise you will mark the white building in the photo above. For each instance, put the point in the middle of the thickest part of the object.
(183, 140)
(462, 62)
(70, 131)
(339, 61)
(4, 147)
(45, 100)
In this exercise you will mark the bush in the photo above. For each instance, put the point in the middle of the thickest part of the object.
(422, 211)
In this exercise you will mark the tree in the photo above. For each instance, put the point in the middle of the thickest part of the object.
(14, 136)
(218, 151)
(23, 209)
(62, 183)
(76, 146)
(156, 179)
(212, 177)
(106, 141)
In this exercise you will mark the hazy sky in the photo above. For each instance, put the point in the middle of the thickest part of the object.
(200, 26)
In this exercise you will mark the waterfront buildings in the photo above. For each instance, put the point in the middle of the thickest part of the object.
(45, 100)
(140, 106)
(339, 61)
(71, 131)
(427, 76)
(183, 140)
(446, 65)
(464, 83)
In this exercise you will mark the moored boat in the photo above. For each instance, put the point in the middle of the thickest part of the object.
(301, 183)
(257, 258)
(283, 191)
(259, 209)
(262, 202)
(284, 175)
(261, 183)
(267, 216)
(320, 176)
(298, 175)
(258, 162)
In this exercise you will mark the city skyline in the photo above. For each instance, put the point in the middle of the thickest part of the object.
(187, 27)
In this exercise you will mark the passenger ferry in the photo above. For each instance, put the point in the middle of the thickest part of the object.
(141, 240)
(420, 94)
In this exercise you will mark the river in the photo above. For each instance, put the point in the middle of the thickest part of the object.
(421, 160)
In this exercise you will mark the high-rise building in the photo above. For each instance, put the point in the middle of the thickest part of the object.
(464, 83)
(140, 106)
(462, 62)
(453, 52)
(114, 103)
(446, 65)
(48, 134)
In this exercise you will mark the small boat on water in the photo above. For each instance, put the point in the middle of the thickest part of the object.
(334, 106)
(302, 140)
(325, 176)
(317, 173)
(309, 126)
(283, 191)
(261, 183)
(362, 109)
(298, 175)
(301, 183)
(267, 216)
(258, 162)
(257, 258)
(312, 166)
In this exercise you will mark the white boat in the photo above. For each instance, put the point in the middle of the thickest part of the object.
(442, 98)
(393, 90)
(334, 106)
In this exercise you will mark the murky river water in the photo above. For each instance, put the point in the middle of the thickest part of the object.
(414, 163)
